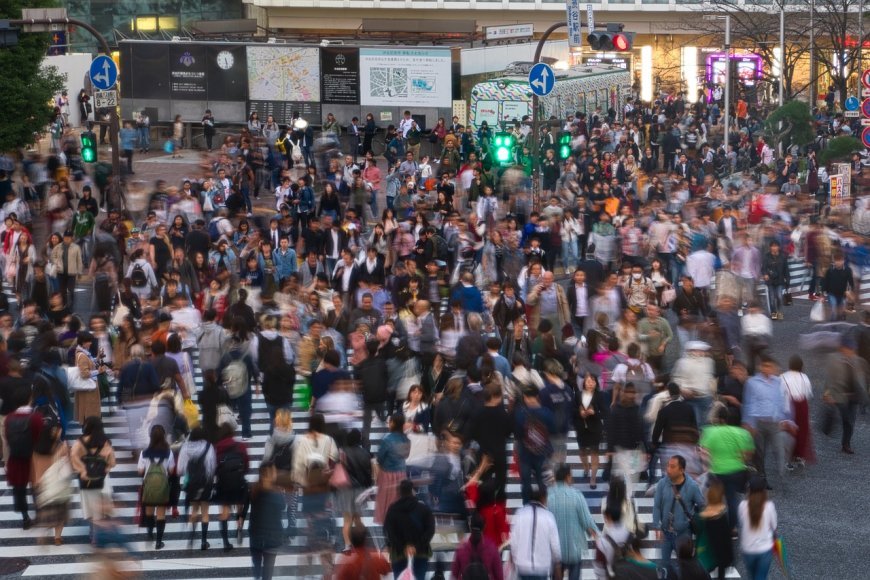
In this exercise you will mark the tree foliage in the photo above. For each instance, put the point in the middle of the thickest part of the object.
(840, 149)
(796, 124)
(28, 89)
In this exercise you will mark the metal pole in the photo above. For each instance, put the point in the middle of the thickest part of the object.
(781, 53)
(727, 130)
(114, 124)
(860, 37)
(813, 79)
(535, 120)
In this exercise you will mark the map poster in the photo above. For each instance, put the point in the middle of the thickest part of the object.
(149, 65)
(406, 77)
(227, 72)
(339, 75)
(283, 73)
(187, 71)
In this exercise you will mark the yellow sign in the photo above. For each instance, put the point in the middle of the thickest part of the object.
(460, 109)
(836, 190)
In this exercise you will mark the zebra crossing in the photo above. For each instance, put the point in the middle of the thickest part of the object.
(75, 558)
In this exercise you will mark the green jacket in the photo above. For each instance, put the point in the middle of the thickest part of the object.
(83, 224)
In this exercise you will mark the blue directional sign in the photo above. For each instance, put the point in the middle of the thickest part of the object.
(104, 73)
(852, 104)
(542, 79)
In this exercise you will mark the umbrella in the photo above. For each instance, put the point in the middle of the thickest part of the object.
(780, 555)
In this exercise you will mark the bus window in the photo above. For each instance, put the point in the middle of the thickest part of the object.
(486, 111)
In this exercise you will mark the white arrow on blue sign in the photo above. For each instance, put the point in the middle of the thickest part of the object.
(852, 104)
(103, 73)
(542, 79)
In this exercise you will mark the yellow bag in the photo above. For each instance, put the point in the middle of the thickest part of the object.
(191, 413)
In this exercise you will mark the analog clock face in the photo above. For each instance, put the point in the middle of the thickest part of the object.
(225, 59)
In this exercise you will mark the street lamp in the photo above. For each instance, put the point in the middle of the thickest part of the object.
(727, 19)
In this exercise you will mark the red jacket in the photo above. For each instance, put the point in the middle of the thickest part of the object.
(18, 470)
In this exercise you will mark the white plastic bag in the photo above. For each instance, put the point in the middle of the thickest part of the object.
(817, 314)
(408, 574)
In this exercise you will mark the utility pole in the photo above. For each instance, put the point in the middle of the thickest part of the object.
(813, 79)
(782, 52)
(535, 149)
(727, 130)
(114, 124)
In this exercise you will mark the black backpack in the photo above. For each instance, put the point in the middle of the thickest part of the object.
(476, 570)
(442, 252)
(231, 472)
(19, 436)
(282, 456)
(95, 468)
(197, 478)
(138, 278)
(50, 420)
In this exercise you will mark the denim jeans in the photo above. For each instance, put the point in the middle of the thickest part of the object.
(774, 297)
(263, 563)
(735, 485)
(837, 304)
(758, 565)
(572, 570)
(419, 565)
(144, 138)
(701, 406)
(669, 543)
(246, 195)
(531, 466)
(243, 406)
(569, 256)
(848, 413)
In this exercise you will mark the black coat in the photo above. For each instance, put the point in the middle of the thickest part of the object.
(372, 374)
(776, 269)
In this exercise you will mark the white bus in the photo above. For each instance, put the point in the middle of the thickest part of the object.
(506, 99)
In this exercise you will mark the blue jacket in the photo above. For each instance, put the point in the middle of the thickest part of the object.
(666, 507)
(393, 451)
(470, 297)
(285, 264)
(128, 138)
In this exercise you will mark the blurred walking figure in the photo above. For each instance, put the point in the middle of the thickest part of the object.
(266, 530)
(156, 463)
(758, 522)
(92, 459)
(197, 463)
(231, 488)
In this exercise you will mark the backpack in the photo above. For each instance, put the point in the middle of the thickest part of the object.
(235, 378)
(213, 231)
(317, 472)
(197, 478)
(609, 364)
(636, 376)
(270, 357)
(296, 154)
(19, 436)
(475, 570)
(536, 437)
(231, 472)
(442, 252)
(50, 419)
(95, 468)
(138, 278)
(282, 456)
(155, 485)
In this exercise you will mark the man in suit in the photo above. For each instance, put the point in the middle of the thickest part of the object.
(334, 240)
(684, 167)
(345, 277)
(67, 258)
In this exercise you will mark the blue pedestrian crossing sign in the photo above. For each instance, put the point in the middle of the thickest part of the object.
(103, 73)
(852, 104)
(542, 79)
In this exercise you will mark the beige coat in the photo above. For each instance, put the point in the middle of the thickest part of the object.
(87, 402)
(563, 310)
(76, 267)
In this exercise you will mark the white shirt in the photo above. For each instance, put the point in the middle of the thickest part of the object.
(534, 540)
(760, 539)
(756, 325)
(797, 385)
(405, 126)
(582, 294)
(700, 266)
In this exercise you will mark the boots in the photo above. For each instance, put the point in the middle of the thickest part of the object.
(205, 545)
(161, 527)
(225, 536)
(149, 526)
(192, 535)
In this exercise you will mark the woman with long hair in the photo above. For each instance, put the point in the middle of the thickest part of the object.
(156, 457)
(800, 391)
(477, 549)
(197, 463)
(330, 204)
(589, 423)
(279, 452)
(51, 465)
(178, 231)
(92, 458)
(25, 257)
(758, 522)
(714, 546)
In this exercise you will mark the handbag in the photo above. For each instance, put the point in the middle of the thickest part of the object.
(817, 313)
(51, 269)
(55, 486)
(669, 294)
(122, 311)
(787, 299)
(78, 383)
(339, 479)
(225, 415)
(191, 413)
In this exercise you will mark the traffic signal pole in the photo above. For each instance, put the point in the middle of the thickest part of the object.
(535, 149)
(114, 124)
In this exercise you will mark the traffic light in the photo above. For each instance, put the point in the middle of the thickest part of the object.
(89, 147)
(564, 145)
(612, 39)
(504, 148)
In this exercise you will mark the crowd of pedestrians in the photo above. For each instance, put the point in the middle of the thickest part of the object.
(629, 308)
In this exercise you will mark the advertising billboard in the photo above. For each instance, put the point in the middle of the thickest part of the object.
(405, 77)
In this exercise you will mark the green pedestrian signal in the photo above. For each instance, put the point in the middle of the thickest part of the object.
(564, 146)
(504, 148)
(89, 147)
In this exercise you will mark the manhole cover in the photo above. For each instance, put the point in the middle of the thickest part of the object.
(12, 565)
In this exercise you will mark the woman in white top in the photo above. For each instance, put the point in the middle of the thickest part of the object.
(799, 390)
(757, 517)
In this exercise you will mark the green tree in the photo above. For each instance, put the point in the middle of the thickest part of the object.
(27, 90)
(840, 149)
(790, 124)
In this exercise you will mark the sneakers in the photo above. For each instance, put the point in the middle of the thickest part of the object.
(789, 466)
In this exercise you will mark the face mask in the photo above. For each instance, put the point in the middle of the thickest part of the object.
(636, 276)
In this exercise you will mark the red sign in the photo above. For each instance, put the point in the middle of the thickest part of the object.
(865, 78)
(865, 136)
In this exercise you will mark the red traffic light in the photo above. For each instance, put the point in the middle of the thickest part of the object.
(621, 42)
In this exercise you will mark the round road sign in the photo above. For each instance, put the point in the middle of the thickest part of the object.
(865, 108)
(865, 137)
(865, 78)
